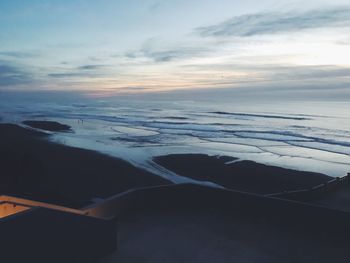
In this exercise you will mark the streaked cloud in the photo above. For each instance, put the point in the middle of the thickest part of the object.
(310, 72)
(166, 55)
(162, 45)
(90, 67)
(16, 54)
(12, 75)
(277, 22)
(88, 70)
(66, 75)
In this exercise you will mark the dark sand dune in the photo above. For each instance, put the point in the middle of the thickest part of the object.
(242, 175)
(48, 125)
(34, 168)
(201, 237)
(339, 199)
(198, 224)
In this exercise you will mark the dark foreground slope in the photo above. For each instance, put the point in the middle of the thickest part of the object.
(240, 175)
(32, 167)
(198, 224)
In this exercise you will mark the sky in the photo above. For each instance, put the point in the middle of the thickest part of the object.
(117, 46)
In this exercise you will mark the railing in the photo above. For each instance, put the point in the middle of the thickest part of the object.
(108, 208)
(314, 192)
(10, 208)
(30, 203)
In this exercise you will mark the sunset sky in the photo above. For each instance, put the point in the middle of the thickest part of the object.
(142, 46)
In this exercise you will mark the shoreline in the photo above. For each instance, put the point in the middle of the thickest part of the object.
(64, 175)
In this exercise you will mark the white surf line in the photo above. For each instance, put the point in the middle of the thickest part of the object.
(305, 157)
(159, 170)
(315, 148)
(234, 161)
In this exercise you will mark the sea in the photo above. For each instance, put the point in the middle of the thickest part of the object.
(302, 135)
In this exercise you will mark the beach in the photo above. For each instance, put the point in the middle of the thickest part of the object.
(35, 168)
(201, 222)
(175, 131)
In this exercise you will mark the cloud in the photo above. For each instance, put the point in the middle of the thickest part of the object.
(128, 55)
(133, 88)
(11, 75)
(74, 74)
(90, 67)
(88, 70)
(166, 55)
(277, 22)
(251, 72)
(345, 42)
(155, 6)
(169, 55)
(15, 54)
(311, 72)
(66, 75)
(158, 51)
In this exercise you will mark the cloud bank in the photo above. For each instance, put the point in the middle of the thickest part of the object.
(277, 22)
(11, 75)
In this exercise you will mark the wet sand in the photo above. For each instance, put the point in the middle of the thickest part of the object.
(191, 223)
(48, 125)
(203, 236)
(245, 176)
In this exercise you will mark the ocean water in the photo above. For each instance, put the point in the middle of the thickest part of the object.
(310, 136)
